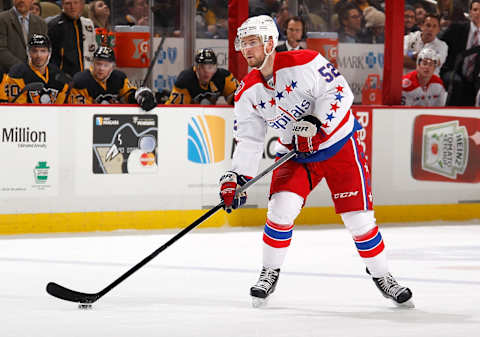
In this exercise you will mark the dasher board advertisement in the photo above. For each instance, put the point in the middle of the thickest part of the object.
(125, 144)
(426, 156)
(29, 148)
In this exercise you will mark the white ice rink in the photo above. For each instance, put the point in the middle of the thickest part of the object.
(200, 285)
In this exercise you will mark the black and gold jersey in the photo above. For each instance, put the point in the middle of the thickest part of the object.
(188, 90)
(54, 85)
(88, 90)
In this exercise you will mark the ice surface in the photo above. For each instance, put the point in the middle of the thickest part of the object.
(200, 285)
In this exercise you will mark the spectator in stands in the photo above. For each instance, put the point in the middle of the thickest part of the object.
(295, 32)
(281, 20)
(420, 13)
(203, 83)
(350, 18)
(103, 84)
(409, 20)
(16, 25)
(460, 72)
(425, 38)
(205, 20)
(135, 13)
(36, 9)
(73, 38)
(375, 25)
(99, 13)
(53, 86)
(422, 87)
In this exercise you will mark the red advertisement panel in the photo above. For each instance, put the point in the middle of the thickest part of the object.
(446, 148)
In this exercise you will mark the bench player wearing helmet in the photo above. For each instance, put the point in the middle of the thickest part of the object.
(37, 70)
(203, 83)
(422, 87)
(103, 84)
(307, 101)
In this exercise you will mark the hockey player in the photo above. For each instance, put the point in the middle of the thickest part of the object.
(422, 87)
(307, 101)
(103, 84)
(203, 83)
(53, 86)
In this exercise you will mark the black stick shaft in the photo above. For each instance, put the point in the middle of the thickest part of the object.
(152, 61)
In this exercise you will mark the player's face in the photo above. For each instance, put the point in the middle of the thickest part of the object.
(252, 50)
(205, 72)
(102, 69)
(426, 67)
(39, 56)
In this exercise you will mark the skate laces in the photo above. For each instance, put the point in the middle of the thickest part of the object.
(390, 285)
(267, 278)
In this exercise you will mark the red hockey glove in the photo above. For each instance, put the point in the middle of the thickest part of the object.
(229, 183)
(307, 135)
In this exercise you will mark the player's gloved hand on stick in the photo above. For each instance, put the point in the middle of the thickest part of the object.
(145, 98)
(229, 183)
(307, 135)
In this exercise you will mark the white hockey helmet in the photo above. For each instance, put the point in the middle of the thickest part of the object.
(430, 54)
(262, 26)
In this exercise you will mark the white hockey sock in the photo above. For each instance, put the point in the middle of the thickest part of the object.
(377, 265)
(273, 257)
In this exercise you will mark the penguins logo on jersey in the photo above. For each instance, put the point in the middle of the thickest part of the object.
(44, 96)
(107, 99)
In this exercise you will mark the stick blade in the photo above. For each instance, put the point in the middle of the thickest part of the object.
(66, 294)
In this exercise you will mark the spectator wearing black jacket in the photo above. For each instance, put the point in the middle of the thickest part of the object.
(73, 38)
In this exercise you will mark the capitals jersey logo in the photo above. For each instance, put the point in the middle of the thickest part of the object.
(281, 120)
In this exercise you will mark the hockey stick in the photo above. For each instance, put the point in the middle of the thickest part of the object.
(63, 293)
(153, 60)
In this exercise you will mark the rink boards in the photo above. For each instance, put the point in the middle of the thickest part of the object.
(73, 169)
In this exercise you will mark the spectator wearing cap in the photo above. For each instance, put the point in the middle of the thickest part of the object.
(204, 83)
(375, 24)
(426, 37)
(16, 26)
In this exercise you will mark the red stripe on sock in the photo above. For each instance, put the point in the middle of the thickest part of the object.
(367, 236)
(279, 227)
(276, 243)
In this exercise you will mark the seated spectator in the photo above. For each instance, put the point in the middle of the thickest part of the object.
(203, 83)
(48, 77)
(420, 13)
(409, 20)
(135, 13)
(375, 25)
(422, 87)
(103, 84)
(461, 69)
(295, 34)
(425, 38)
(36, 9)
(99, 13)
(16, 25)
(73, 38)
(205, 20)
(350, 18)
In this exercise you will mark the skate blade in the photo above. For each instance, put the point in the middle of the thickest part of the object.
(405, 305)
(258, 302)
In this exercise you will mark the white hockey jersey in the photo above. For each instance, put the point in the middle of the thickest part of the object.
(433, 94)
(303, 83)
